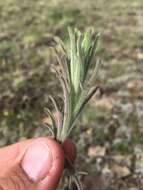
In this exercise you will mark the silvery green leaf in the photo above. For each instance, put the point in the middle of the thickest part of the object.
(72, 51)
(94, 73)
(91, 52)
(86, 43)
(50, 129)
(59, 119)
(54, 126)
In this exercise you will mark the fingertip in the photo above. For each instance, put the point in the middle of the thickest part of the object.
(53, 176)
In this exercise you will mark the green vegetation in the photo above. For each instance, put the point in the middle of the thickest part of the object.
(26, 78)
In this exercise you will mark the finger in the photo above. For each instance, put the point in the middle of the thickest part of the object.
(12, 154)
(51, 181)
(53, 177)
(29, 162)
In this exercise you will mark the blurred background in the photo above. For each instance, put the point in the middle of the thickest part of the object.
(109, 135)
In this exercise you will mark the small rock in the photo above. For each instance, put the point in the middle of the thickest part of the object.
(133, 188)
(135, 84)
(96, 151)
(105, 102)
(120, 171)
(140, 55)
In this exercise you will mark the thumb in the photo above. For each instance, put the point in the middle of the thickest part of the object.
(34, 165)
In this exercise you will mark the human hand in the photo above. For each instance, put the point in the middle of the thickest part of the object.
(34, 164)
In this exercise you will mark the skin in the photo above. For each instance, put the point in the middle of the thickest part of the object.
(13, 158)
